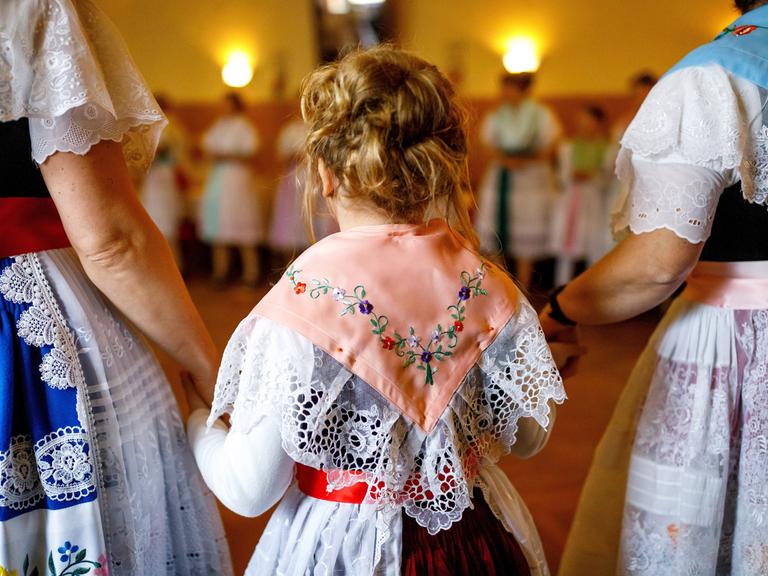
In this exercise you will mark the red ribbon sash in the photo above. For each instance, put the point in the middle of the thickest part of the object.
(314, 483)
(29, 225)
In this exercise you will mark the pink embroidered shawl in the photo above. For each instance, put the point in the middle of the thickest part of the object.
(407, 308)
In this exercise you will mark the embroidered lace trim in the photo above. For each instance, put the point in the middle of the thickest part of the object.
(57, 467)
(333, 420)
(43, 324)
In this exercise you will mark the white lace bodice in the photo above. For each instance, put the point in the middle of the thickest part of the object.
(64, 66)
(331, 419)
(700, 130)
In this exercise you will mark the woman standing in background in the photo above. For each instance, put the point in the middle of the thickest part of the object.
(516, 196)
(231, 207)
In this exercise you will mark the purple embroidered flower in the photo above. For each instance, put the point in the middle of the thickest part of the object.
(413, 341)
(365, 307)
(464, 293)
(426, 357)
(480, 272)
(437, 335)
(339, 294)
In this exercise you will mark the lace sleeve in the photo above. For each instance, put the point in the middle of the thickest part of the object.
(64, 66)
(677, 197)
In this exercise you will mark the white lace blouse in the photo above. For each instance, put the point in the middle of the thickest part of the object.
(64, 67)
(700, 130)
(291, 402)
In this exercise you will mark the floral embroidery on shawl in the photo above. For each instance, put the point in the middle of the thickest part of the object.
(411, 348)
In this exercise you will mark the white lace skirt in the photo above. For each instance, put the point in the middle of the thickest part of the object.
(679, 483)
(158, 516)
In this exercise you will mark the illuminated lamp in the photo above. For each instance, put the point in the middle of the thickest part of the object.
(238, 71)
(366, 2)
(522, 55)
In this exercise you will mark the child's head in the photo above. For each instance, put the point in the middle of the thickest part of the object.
(590, 121)
(388, 128)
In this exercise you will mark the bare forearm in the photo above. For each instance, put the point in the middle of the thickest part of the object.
(639, 274)
(139, 276)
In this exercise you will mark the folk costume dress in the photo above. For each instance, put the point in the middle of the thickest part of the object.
(515, 205)
(374, 389)
(679, 482)
(96, 476)
(161, 193)
(231, 205)
(578, 222)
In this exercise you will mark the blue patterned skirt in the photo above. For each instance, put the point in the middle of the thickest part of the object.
(95, 473)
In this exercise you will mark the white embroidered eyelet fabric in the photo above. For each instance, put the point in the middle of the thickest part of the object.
(333, 420)
(699, 130)
(65, 68)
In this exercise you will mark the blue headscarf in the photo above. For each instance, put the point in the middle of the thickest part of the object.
(742, 49)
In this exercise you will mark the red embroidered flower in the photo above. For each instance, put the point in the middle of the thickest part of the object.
(744, 30)
(300, 288)
(387, 343)
(458, 326)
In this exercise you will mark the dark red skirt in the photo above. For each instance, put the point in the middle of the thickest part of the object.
(477, 545)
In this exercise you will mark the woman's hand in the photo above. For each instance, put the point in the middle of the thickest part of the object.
(194, 400)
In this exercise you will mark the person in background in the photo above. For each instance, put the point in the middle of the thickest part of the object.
(679, 481)
(231, 207)
(376, 386)
(288, 230)
(616, 192)
(96, 476)
(516, 196)
(577, 228)
(161, 192)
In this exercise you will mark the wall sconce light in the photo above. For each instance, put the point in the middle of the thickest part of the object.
(522, 55)
(238, 71)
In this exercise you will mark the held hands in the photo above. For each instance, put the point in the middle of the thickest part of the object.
(563, 342)
(194, 400)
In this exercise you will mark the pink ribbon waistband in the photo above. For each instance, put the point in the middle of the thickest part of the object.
(715, 288)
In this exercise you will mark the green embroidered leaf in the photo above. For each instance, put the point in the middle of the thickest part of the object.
(51, 565)
(455, 318)
(80, 556)
(409, 360)
(80, 571)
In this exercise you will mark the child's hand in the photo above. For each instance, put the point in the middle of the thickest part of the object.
(194, 400)
(565, 355)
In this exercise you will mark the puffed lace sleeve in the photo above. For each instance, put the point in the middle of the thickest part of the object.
(697, 133)
(64, 66)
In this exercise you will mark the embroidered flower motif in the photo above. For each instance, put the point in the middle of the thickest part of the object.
(339, 294)
(410, 347)
(70, 463)
(103, 570)
(67, 550)
(744, 30)
(365, 307)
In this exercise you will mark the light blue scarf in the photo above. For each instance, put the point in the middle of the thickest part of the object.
(742, 49)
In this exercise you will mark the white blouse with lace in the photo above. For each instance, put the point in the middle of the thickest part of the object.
(65, 68)
(699, 131)
(291, 402)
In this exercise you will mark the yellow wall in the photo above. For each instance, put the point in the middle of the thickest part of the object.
(590, 46)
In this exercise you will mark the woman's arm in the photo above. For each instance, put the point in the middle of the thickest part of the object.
(126, 257)
(637, 275)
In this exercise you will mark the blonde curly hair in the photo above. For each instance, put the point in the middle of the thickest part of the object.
(387, 125)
